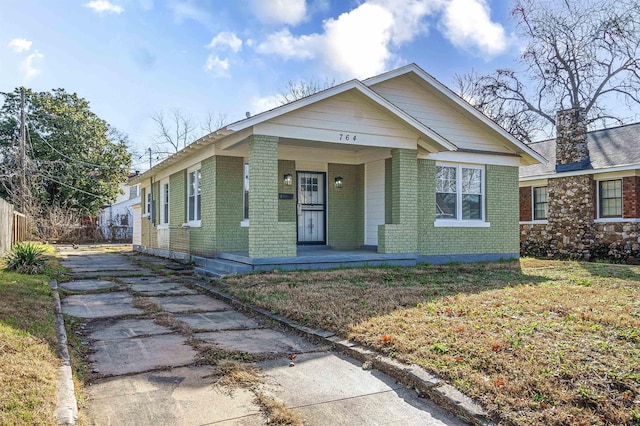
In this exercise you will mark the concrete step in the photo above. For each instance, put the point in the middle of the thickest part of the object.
(221, 267)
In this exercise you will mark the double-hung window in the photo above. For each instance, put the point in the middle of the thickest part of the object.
(459, 193)
(164, 203)
(193, 195)
(148, 205)
(540, 203)
(610, 198)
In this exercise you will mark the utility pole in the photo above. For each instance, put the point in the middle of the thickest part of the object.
(150, 159)
(22, 163)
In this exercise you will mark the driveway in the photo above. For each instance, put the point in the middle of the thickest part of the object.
(159, 349)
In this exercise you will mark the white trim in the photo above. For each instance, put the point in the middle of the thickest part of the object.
(534, 222)
(598, 213)
(164, 199)
(483, 190)
(163, 226)
(475, 158)
(195, 222)
(244, 223)
(626, 167)
(537, 182)
(342, 88)
(616, 219)
(448, 223)
(452, 96)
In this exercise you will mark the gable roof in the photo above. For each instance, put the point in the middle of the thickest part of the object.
(615, 147)
(362, 88)
(528, 154)
(335, 90)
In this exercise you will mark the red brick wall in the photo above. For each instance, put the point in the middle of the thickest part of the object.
(631, 197)
(525, 204)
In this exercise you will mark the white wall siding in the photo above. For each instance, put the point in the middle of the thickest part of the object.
(374, 200)
(137, 225)
(433, 112)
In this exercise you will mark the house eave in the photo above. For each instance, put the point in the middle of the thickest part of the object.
(621, 168)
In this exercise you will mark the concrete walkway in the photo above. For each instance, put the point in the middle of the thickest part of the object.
(150, 337)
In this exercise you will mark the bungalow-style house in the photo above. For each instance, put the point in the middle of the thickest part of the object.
(584, 203)
(393, 169)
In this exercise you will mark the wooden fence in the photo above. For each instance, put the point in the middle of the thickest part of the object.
(13, 226)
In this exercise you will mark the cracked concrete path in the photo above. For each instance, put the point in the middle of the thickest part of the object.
(157, 346)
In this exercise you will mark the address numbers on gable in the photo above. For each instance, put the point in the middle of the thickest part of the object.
(347, 137)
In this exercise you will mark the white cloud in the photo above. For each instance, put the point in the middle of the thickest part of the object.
(19, 45)
(357, 43)
(183, 10)
(467, 24)
(226, 39)
(259, 105)
(219, 67)
(288, 12)
(288, 46)
(101, 6)
(364, 41)
(29, 65)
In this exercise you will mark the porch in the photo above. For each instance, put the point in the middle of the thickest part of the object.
(307, 258)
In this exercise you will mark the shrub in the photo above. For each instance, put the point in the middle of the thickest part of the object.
(26, 258)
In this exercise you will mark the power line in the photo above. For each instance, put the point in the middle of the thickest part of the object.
(70, 186)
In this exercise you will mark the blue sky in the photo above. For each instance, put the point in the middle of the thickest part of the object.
(133, 58)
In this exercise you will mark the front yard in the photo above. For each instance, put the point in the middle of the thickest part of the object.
(28, 361)
(535, 342)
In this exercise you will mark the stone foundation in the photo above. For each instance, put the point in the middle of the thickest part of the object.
(614, 241)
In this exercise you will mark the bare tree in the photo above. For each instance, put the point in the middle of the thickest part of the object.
(302, 88)
(213, 122)
(174, 131)
(575, 54)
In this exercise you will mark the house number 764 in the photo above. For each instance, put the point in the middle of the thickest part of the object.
(347, 137)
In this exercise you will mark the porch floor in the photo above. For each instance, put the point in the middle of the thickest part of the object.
(307, 258)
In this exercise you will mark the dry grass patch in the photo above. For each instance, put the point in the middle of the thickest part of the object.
(28, 362)
(536, 342)
(277, 413)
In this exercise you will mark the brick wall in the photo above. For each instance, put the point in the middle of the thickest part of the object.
(229, 235)
(501, 183)
(202, 239)
(287, 211)
(267, 236)
(345, 208)
(400, 235)
(526, 209)
(631, 196)
(178, 236)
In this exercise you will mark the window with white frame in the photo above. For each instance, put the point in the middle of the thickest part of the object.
(193, 195)
(459, 192)
(147, 209)
(610, 198)
(164, 203)
(245, 198)
(540, 203)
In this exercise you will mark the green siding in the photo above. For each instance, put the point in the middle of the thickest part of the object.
(345, 208)
(287, 208)
(501, 183)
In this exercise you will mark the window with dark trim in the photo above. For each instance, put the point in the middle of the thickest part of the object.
(610, 198)
(540, 203)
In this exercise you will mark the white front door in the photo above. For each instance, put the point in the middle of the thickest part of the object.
(311, 208)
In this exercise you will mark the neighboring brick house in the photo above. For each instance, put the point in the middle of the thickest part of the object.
(585, 202)
(396, 164)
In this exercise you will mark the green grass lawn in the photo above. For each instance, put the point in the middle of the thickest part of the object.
(28, 361)
(535, 342)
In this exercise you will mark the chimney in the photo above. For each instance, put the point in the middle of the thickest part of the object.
(572, 152)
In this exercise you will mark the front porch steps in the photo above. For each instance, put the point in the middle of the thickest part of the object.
(320, 258)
